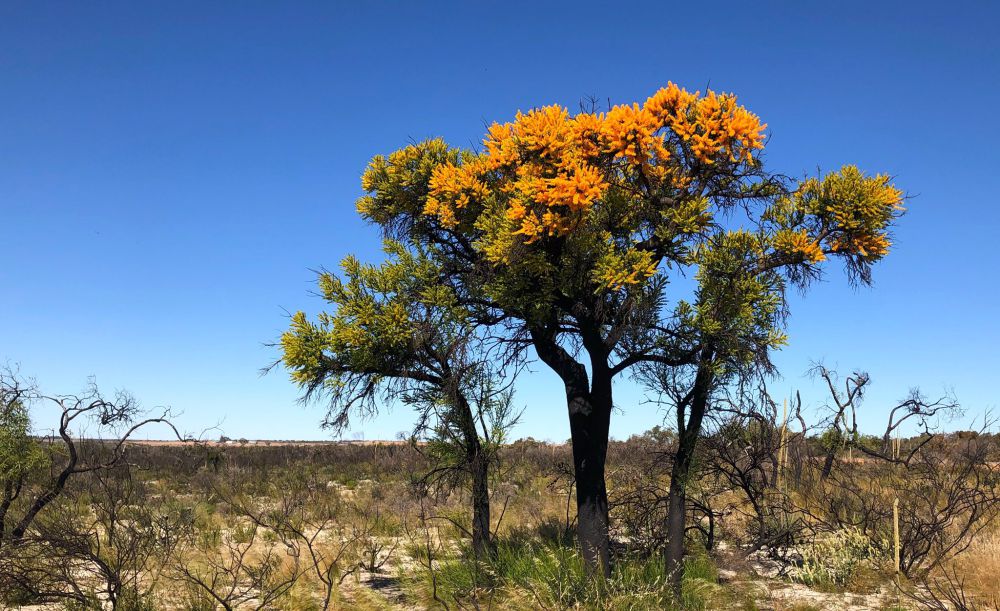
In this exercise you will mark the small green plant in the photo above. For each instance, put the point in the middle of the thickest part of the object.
(15, 596)
(196, 599)
(91, 604)
(833, 559)
(131, 600)
(128, 600)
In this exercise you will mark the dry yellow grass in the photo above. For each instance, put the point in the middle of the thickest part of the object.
(979, 567)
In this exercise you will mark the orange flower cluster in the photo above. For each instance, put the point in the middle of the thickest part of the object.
(872, 247)
(632, 133)
(712, 125)
(545, 161)
(799, 243)
(553, 167)
(562, 197)
(453, 188)
(545, 132)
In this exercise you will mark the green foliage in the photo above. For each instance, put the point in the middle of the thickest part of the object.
(659, 435)
(15, 596)
(196, 599)
(92, 603)
(128, 600)
(397, 185)
(395, 332)
(528, 571)
(20, 453)
(833, 560)
(446, 434)
(738, 309)
(831, 439)
(385, 320)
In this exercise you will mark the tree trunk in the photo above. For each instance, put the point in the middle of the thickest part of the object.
(589, 420)
(828, 465)
(478, 465)
(675, 528)
(831, 455)
(10, 494)
(589, 404)
(688, 433)
(481, 538)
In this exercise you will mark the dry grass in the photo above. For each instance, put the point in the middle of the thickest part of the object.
(353, 488)
(979, 567)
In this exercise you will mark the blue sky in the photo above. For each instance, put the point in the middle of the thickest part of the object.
(170, 173)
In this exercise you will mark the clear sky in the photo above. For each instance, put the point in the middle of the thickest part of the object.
(171, 171)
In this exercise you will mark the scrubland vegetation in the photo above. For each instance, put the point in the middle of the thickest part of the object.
(773, 523)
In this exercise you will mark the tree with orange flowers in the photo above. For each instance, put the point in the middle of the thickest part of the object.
(561, 236)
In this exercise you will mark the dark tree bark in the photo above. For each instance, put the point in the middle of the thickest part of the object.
(590, 418)
(481, 537)
(831, 455)
(690, 414)
(12, 489)
(589, 403)
(478, 464)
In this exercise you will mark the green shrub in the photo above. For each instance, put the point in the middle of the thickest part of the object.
(834, 559)
(197, 599)
(14, 595)
(128, 600)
